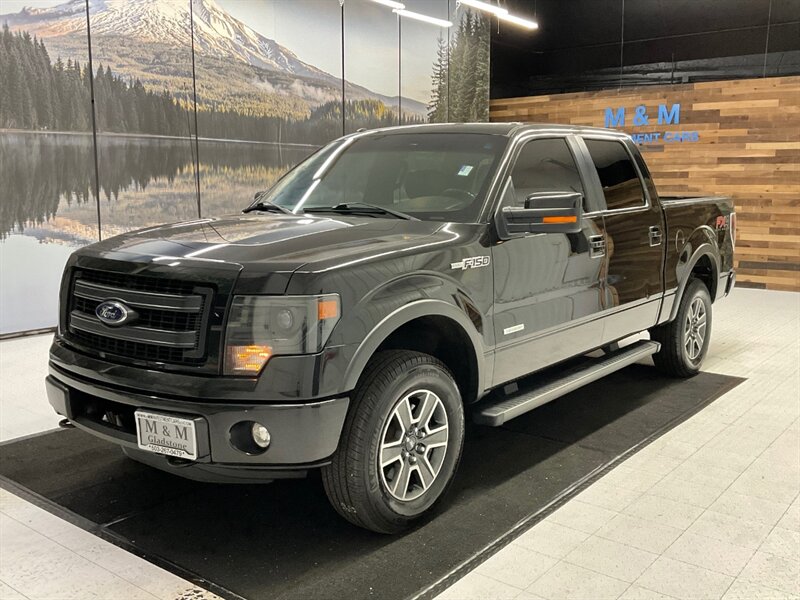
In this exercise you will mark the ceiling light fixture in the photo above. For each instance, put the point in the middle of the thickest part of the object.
(484, 6)
(500, 12)
(391, 4)
(421, 17)
(527, 24)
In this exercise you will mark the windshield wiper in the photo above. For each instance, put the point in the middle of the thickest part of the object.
(361, 207)
(268, 206)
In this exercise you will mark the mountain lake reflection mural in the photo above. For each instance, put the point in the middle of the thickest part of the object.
(267, 92)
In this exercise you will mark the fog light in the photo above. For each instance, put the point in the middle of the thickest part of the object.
(260, 435)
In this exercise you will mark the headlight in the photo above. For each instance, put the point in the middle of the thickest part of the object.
(260, 327)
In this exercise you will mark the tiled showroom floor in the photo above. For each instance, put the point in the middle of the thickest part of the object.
(709, 510)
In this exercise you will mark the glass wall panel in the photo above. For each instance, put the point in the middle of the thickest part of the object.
(467, 81)
(142, 58)
(423, 51)
(47, 204)
(269, 92)
(371, 47)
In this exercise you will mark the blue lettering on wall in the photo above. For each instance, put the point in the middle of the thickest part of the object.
(668, 118)
(640, 118)
(682, 136)
(615, 119)
(646, 138)
(668, 114)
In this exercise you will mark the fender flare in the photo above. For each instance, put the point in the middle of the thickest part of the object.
(705, 249)
(396, 319)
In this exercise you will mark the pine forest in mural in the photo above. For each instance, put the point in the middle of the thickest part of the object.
(62, 91)
(460, 80)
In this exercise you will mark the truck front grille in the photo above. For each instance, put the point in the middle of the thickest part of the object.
(151, 318)
(170, 324)
(128, 349)
(142, 283)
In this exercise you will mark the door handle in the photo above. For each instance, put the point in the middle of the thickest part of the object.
(597, 246)
(655, 235)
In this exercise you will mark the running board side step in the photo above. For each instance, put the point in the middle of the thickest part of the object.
(506, 408)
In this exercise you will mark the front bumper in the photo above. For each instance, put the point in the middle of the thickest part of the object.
(304, 434)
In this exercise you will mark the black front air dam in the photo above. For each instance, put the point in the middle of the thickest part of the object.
(303, 433)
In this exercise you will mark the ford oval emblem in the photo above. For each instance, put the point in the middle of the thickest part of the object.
(113, 312)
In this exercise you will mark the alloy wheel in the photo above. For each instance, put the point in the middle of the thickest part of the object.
(694, 329)
(413, 445)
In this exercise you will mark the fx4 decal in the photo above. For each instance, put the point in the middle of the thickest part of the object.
(471, 262)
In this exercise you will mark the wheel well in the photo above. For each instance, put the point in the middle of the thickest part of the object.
(446, 340)
(705, 271)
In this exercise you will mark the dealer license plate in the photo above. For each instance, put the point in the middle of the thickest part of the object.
(166, 434)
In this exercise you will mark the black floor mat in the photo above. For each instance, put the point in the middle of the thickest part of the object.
(284, 541)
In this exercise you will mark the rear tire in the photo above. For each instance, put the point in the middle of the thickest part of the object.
(400, 445)
(684, 341)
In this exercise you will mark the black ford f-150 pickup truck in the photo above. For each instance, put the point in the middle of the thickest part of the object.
(388, 285)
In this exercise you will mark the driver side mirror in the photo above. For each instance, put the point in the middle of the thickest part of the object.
(544, 212)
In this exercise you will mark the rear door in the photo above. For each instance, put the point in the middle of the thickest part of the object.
(634, 238)
(548, 287)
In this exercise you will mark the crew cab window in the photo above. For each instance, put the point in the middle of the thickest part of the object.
(621, 185)
(430, 176)
(545, 166)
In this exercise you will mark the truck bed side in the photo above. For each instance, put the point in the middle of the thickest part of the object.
(699, 231)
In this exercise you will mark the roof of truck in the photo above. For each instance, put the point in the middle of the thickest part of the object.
(506, 129)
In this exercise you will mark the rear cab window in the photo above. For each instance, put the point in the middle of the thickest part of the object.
(619, 179)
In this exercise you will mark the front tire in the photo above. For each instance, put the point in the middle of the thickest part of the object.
(401, 442)
(684, 341)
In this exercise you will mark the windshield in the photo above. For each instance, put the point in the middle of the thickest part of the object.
(428, 176)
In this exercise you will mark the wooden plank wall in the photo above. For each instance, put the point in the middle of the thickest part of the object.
(748, 148)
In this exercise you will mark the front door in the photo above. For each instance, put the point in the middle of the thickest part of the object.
(634, 241)
(548, 287)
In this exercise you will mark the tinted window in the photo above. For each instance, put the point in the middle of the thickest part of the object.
(545, 166)
(618, 176)
(431, 176)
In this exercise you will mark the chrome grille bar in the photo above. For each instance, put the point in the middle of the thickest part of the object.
(154, 300)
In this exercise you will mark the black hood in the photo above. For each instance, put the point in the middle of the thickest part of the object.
(270, 241)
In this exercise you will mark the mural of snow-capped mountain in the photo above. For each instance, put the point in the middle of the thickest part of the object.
(267, 78)
(151, 40)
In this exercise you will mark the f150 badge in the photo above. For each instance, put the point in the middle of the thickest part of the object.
(471, 262)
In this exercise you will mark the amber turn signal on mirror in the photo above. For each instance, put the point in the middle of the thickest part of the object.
(567, 219)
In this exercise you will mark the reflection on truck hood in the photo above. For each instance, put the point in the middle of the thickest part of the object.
(282, 240)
